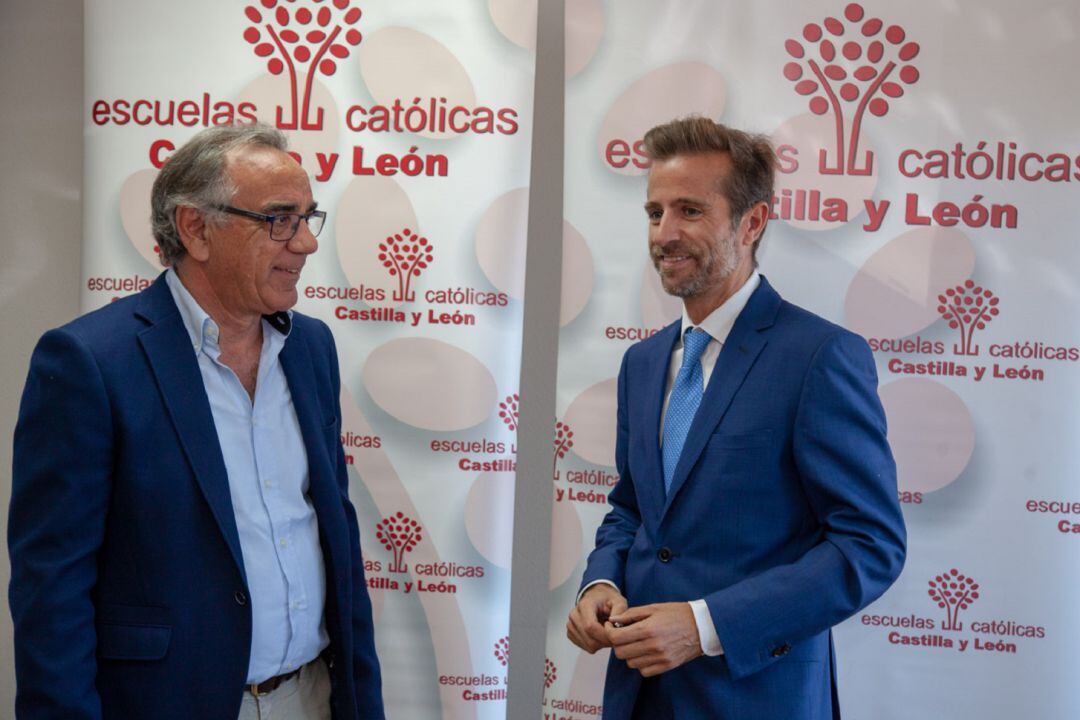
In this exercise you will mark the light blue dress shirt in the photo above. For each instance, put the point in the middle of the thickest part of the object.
(267, 466)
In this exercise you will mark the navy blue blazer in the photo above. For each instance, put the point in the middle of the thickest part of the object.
(782, 514)
(128, 589)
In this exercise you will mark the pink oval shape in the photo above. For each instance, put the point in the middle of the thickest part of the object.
(399, 63)
(135, 214)
(501, 237)
(931, 433)
(489, 517)
(592, 415)
(566, 536)
(370, 210)
(500, 252)
(671, 91)
(577, 275)
(430, 384)
(894, 294)
(516, 19)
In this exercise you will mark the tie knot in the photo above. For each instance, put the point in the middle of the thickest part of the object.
(694, 343)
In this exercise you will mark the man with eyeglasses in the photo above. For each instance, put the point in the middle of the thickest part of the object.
(182, 542)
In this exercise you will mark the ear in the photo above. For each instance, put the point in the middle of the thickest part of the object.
(191, 224)
(753, 224)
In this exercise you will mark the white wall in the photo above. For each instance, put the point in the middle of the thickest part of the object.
(41, 99)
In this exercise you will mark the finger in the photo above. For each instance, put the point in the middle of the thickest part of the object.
(590, 629)
(618, 606)
(632, 615)
(580, 638)
(632, 633)
(654, 669)
(582, 641)
(637, 652)
(597, 634)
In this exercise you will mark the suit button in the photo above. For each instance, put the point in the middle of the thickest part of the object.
(240, 597)
(664, 555)
(781, 651)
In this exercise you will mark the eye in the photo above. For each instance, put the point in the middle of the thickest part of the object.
(653, 215)
(691, 211)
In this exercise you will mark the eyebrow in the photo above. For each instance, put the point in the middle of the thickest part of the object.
(283, 207)
(678, 201)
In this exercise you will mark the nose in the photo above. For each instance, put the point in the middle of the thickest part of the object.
(666, 230)
(304, 241)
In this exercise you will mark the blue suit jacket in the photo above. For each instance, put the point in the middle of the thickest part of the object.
(782, 514)
(128, 589)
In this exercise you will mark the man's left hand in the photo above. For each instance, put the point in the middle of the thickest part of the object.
(655, 638)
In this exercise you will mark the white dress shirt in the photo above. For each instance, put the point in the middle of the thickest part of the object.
(718, 325)
(267, 465)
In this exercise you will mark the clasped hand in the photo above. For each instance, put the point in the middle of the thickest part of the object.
(652, 639)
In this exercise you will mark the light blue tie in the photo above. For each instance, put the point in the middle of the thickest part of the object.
(683, 404)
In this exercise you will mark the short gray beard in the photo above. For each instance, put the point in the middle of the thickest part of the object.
(717, 267)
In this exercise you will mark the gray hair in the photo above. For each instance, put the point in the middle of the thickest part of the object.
(195, 175)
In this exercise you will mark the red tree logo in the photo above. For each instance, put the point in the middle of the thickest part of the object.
(968, 308)
(502, 650)
(953, 592)
(564, 440)
(550, 673)
(405, 255)
(399, 534)
(302, 40)
(508, 411)
(849, 73)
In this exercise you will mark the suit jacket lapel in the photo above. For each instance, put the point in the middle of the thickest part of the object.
(651, 486)
(744, 343)
(168, 348)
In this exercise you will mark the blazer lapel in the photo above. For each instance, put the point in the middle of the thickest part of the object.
(651, 486)
(168, 348)
(744, 343)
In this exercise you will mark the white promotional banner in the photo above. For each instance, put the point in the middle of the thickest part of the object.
(412, 119)
(926, 199)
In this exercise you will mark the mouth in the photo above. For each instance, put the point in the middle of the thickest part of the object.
(666, 262)
(291, 272)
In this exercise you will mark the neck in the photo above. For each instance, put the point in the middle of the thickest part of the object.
(234, 330)
(699, 307)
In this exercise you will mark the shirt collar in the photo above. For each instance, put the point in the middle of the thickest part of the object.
(719, 322)
(201, 328)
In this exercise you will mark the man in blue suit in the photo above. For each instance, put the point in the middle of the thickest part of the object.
(756, 505)
(182, 543)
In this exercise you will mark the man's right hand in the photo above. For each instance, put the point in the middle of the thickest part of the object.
(585, 627)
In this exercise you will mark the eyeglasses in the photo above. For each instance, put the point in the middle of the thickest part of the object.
(283, 226)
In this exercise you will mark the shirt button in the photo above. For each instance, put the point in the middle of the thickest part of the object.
(282, 542)
(664, 555)
(240, 597)
(268, 483)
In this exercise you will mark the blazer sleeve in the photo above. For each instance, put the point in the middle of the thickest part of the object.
(366, 672)
(619, 527)
(61, 479)
(848, 475)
